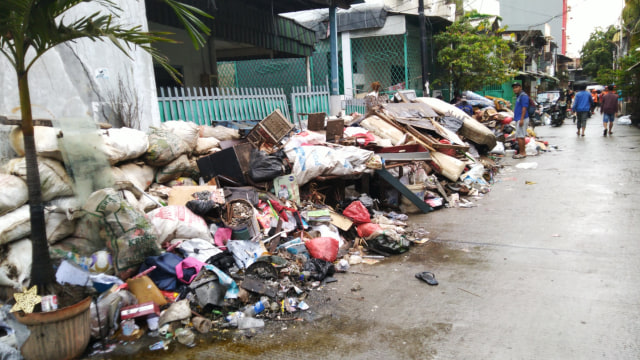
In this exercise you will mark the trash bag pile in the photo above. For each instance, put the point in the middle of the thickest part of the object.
(206, 228)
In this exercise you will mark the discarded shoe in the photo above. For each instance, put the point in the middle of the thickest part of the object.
(427, 277)
(519, 156)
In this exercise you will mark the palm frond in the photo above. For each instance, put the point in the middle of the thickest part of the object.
(193, 25)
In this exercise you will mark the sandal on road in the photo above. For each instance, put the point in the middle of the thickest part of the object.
(427, 277)
(519, 156)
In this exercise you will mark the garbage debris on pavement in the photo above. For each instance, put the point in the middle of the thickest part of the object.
(205, 228)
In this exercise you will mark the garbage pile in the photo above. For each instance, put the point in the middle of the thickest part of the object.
(207, 228)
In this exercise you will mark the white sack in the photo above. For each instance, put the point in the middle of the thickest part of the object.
(219, 132)
(17, 225)
(178, 222)
(15, 266)
(54, 180)
(140, 175)
(207, 146)
(173, 170)
(383, 129)
(124, 144)
(13, 193)
(46, 139)
(187, 132)
(199, 249)
(164, 147)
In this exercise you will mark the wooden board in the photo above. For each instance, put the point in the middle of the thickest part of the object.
(180, 195)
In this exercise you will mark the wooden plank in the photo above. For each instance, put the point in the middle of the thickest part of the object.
(36, 122)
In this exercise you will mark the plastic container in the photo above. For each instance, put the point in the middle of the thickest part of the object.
(256, 308)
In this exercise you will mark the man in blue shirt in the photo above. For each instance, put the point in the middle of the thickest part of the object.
(521, 119)
(582, 107)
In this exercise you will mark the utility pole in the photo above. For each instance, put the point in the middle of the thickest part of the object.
(423, 48)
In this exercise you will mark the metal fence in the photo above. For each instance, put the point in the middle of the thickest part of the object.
(306, 101)
(205, 106)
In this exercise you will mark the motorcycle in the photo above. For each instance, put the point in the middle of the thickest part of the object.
(557, 115)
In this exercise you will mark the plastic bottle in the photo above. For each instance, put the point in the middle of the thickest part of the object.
(256, 308)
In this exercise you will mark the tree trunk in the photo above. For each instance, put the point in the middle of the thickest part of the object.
(41, 268)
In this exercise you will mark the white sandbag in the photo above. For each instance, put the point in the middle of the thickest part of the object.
(15, 265)
(383, 129)
(139, 174)
(164, 147)
(175, 221)
(46, 139)
(70, 206)
(188, 132)
(306, 138)
(54, 180)
(449, 167)
(207, 146)
(124, 144)
(13, 193)
(58, 227)
(443, 107)
(219, 132)
(173, 170)
(15, 225)
(131, 199)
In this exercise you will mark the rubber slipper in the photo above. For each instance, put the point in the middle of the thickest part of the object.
(427, 277)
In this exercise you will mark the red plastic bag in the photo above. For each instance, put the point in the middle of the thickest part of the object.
(365, 230)
(323, 248)
(357, 212)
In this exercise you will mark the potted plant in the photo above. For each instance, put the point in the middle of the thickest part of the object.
(28, 29)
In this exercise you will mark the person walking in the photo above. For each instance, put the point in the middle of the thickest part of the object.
(609, 106)
(582, 107)
(521, 117)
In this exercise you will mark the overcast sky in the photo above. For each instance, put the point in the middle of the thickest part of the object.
(585, 16)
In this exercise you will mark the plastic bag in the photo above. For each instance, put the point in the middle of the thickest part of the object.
(188, 269)
(199, 249)
(324, 248)
(388, 244)
(164, 276)
(202, 207)
(357, 212)
(319, 269)
(265, 167)
(367, 229)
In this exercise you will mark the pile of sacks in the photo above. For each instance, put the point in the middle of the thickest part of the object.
(140, 163)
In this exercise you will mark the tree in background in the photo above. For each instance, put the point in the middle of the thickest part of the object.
(475, 54)
(28, 29)
(597, 52)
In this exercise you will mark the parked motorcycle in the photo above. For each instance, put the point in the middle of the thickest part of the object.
(557, 115)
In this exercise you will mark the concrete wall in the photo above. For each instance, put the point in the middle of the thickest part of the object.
(72, 80)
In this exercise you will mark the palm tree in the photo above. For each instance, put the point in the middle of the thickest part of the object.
(28, 29)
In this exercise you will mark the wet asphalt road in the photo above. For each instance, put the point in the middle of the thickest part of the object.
(546, 270)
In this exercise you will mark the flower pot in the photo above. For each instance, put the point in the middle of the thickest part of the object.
(59, 334)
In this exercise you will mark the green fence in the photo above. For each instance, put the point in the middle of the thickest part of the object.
(205, 106)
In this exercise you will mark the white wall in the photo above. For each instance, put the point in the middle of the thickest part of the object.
(66, 82)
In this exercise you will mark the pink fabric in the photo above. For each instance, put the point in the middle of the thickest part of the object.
(221, 237)
(188, 263)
